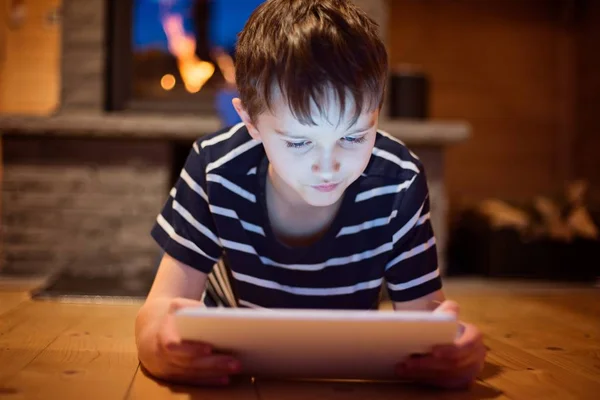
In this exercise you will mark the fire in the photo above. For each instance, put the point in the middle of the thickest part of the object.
(167, 82)
(194, 71)
(225, 63)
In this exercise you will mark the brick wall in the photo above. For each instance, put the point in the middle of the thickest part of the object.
(82, 205)
(83, 58)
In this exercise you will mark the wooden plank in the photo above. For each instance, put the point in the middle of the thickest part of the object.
(302, 390)
(524, 375)
(550, 327)
(28, 329)
(95, 358)
(147, 387)
(11, 300)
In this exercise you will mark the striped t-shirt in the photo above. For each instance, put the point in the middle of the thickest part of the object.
(382, 232)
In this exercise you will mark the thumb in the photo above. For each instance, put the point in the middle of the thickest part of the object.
(180, 302)
(168, 334)
(451, 307)
(448, 306)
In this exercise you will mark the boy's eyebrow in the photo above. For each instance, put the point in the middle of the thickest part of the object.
(361, 129)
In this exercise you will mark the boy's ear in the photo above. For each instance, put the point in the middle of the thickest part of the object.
(239, 108)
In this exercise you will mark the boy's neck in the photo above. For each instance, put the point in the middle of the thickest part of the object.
(291, 218)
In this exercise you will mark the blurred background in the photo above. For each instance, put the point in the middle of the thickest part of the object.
(100, 101)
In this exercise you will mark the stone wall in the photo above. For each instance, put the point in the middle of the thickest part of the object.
(82, 205)
(84, 55)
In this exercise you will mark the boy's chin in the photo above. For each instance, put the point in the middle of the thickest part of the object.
(317, 199)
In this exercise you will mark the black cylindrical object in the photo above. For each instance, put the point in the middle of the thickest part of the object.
(408, 94)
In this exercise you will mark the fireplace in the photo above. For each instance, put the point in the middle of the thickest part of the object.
(174, 56)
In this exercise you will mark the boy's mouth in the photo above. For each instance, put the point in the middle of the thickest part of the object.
(326, 187)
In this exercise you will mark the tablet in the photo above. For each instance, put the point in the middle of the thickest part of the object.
(317, 344)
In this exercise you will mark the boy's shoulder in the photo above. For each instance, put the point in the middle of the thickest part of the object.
(230, 148)
(393, 159)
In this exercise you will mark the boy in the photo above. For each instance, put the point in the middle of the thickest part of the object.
(309, 205)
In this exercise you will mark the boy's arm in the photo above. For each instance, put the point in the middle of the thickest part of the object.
(173, 280)
(426, 303)
(411, 271)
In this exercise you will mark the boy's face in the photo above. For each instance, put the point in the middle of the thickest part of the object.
(314, 164)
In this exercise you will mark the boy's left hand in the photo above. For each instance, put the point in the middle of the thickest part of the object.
(448, 366)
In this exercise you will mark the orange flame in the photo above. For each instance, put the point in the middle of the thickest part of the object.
(225, 63)
(194, 71)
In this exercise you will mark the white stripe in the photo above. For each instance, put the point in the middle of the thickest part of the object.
(194, 222)
(252, 171)
(332, 261)
(193, 185)
(173, 192)
(231, 186)
(334, 291)
(415, 282)
(217, 288)
(381, 191)
(251, 305)
(182, 241)
(220, 272)
(350, 230)
(394, 158)
(365, 255)
(412, 252)
(232, 154)
(395, 139)
(245, 248)
(252, 228)
(223, 136)
(196, 149)
(408, 226)
(422, 220)
(232, 214)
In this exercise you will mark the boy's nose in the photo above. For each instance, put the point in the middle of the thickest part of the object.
(326, 166)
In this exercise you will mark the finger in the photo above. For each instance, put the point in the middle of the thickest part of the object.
(427, 362)
(187, 376)
(168, 332)
(181, 361)
(223, 363)
(189, 349)
(469, 340)
(216, 381)
(448, 306)
(404, 372)
(470, 335)
(219, 363)
(467, 361)
(211, 366)
(475, 359)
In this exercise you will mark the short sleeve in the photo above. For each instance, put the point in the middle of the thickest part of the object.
(412, 270)
(185, 228)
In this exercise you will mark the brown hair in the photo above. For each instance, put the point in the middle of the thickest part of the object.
(304, 48)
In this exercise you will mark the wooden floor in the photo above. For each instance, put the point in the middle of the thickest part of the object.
(544, 343)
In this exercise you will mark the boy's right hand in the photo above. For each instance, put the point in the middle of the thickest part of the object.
(185, 361)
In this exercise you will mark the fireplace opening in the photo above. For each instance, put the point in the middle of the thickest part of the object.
(173, 56)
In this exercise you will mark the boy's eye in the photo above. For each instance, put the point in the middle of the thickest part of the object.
(298, 145)
(354, 140)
